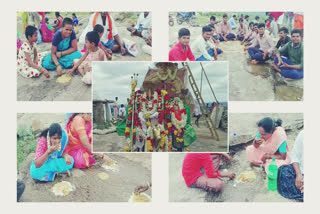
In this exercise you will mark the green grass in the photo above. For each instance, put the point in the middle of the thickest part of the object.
(26, 143)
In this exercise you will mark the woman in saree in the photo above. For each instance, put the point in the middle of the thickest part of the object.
(270, 142)
(51, 158)
(64, 49)
(79, 131)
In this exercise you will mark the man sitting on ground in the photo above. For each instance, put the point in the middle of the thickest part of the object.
(232, 22)
(181, 51)
(261, 48)
(291, 66)
(142, 27)
(251, 35)
(200, 170)
(242, 30)
(213, 24)
(246, 20)
(225, 30)
(283, 37)
(203, 48)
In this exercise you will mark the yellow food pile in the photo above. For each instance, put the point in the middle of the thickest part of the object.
(103, 176)
(136, 197)
(62, 188)
(65, 78)
(247, 177)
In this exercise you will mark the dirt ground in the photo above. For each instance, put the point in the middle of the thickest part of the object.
(43, 89)
(248, 82)
(114, 143)
(132, 170)
(233, 191)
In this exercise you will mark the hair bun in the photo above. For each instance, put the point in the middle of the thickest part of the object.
(277, 122)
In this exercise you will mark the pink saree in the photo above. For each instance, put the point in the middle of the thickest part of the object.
(47, 34)
(75, 128)
(269, 146)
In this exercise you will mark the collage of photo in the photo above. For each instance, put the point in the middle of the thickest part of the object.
(178, 107)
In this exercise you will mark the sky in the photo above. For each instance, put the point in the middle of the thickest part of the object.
(112, 79)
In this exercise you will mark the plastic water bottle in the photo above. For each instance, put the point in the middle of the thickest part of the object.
(272, 175)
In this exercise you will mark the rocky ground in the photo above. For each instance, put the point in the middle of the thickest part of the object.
(111, 142)
(234, 191)
(43, 89)
(248, 82)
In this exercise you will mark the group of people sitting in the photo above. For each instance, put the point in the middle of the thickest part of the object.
(61, 149)
(201, 170)
(100, 39)
(287, 54)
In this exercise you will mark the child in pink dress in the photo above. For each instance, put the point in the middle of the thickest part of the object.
(93, 53)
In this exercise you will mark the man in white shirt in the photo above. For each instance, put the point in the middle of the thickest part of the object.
(122, 112)
(110, 38)
(291, 177)
(203, 48)
(142, 27)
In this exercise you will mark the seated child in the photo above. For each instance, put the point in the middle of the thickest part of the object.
(181, 51)
(46, 20)
(99, 29)
(93, 53)
(29, 60)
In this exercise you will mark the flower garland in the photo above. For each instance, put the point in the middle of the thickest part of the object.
(179, 120)
(148, 113)
(169, 75)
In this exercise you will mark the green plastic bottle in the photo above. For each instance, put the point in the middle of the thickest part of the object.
(272, 175)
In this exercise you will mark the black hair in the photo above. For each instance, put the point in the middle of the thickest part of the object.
(268, 124)
(284, 29)
(183, 32)
(206, 28)
(93, 37)
(74, 15)
(122, 105)
(246, 16)
(271, 18)
(224, 15)
(255, 24)
(30, 30)
(257, 17)
(98, 28)
(46, 19)
(57, 13)
(54, 129)
(67, 21)
(296, 31)
(213, 18)
(261, 25)
(241, 20)
(251, 23)
(234, 16)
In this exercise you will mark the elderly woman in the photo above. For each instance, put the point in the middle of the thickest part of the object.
(64, 49)
(80, 139)
(270, 142)
(51, 157)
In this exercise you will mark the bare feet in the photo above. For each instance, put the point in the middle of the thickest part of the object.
(254, 62)
(288, 79)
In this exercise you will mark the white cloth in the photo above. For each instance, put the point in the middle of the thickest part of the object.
(122, 112)
(200, 47)
(89, 28)
(297, 151)
(145, 22)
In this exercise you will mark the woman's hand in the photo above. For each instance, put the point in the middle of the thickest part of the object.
(59, 54)
(299, 183)
(45, 72)
(227, 158)
(265, 157)
(70, 71)
(59, 70)
(67, 158)
(53, 148)
(257, 142)
(141, 188)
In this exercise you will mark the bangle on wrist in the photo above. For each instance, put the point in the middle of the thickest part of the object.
(40, 67)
